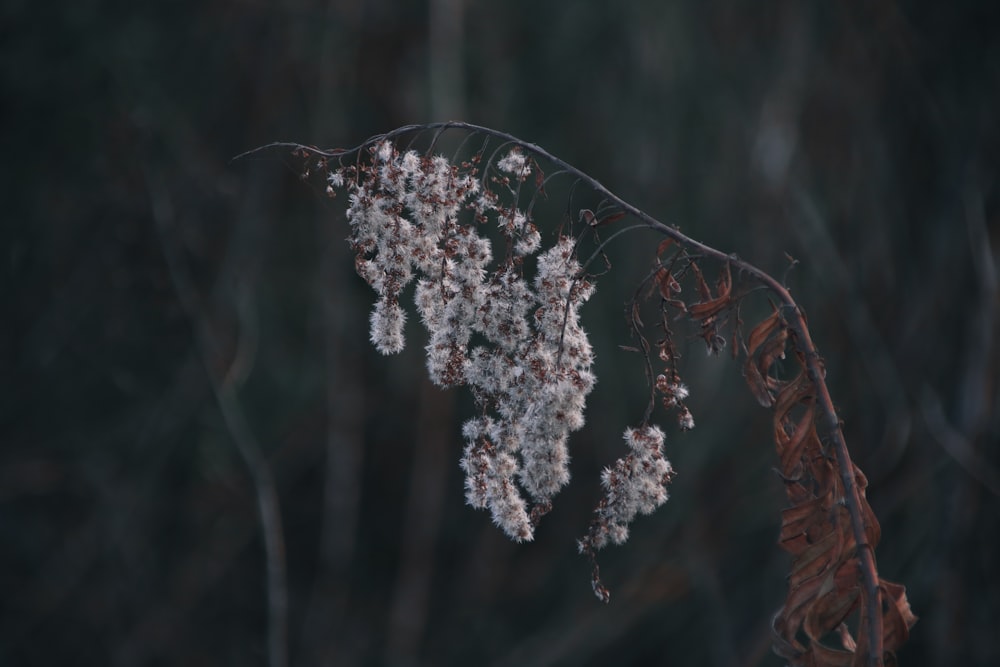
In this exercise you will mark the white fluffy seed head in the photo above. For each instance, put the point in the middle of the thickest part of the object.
(387, 322)
(515, 163)
(635, 484)
(530, 361)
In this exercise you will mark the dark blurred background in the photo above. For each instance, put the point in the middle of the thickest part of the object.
(147, 411)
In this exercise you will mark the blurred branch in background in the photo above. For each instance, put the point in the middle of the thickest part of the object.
(978, 383)
(329, 635)
(226, 375)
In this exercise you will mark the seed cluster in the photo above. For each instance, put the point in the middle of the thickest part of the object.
(515, 340)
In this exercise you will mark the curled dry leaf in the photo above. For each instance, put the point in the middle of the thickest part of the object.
(712, 305)
(668, 284)
(707, 311)
(826, 584)
(662, 247)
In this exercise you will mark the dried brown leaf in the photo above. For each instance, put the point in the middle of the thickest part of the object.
(763, 331)
(797, 604)
(815, 560)
(662, 247)
(611, 217)
(771, 351)
(790, 395)
(758, 385)
(791, 448)
(667, 283)
(831, 608)
(801, 524)
(710, 305)
(703, 289)
(539, 179)
(705, 309)
(897, 617)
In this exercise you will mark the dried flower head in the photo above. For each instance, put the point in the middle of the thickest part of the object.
(530, 365)
(516, 342)
(635, 484)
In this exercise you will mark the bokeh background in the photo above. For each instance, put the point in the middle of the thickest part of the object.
(146, 412)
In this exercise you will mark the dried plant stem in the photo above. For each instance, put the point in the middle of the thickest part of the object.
(828, 419)
(819, 429)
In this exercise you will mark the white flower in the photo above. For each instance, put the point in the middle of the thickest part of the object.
(384, 151)
(489, 481)
(529, 243)
(634, 484)
(514, 163)
(410, 163)
(530, 368)
(685, 420)
(387, 320)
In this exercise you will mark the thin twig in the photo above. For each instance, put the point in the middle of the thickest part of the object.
(957, 445)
